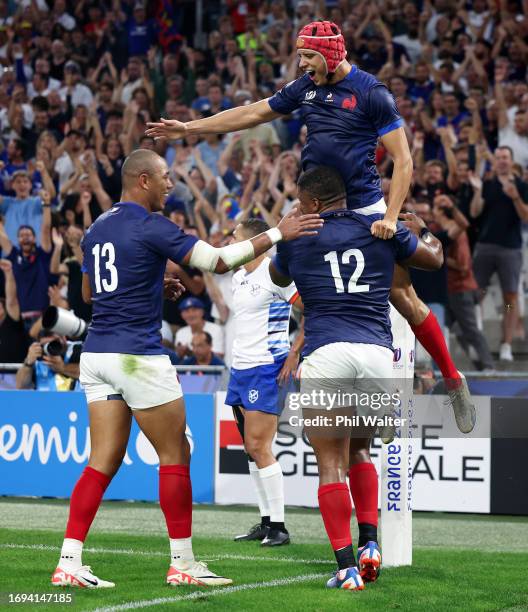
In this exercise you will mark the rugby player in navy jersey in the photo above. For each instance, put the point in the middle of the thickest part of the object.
(346, 111)
(344, 279)
(124, 371)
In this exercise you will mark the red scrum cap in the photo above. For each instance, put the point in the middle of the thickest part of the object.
(325, 38)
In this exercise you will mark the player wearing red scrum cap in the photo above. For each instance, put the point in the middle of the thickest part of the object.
(347, 111)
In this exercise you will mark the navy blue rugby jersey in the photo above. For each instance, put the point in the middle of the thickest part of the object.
(344, 276)
(125, 254)
(344, 123)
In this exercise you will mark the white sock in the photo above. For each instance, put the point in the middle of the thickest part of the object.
(259, 488)
(181, 550)
(71, 554)
(272, 483)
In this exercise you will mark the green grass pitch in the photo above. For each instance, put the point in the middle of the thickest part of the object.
(460, 562)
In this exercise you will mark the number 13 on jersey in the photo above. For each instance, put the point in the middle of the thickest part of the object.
(106, 251)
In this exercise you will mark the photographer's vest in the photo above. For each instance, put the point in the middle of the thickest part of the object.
(47, 380)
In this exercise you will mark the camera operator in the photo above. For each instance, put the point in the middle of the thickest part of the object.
(51, 364)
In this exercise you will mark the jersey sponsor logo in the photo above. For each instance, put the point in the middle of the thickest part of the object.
(397, 355)
(349, 103)
(253, 395)
(310, 95)
(411, 356)
(255, 289)
(329, 98)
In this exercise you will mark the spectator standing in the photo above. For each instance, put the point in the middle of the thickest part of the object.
(461, 284)
(31, 264)
(23, 209)
(74, 92)
(502, 201)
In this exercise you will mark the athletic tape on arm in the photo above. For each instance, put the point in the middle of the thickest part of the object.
(205, 257)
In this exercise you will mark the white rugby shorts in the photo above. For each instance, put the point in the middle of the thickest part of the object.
(143, 381)
(347, 367)
(378, 207)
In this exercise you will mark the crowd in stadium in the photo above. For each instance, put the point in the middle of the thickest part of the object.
(79, 81)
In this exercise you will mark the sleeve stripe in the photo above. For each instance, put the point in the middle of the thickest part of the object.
(391, 127)
(293, 298)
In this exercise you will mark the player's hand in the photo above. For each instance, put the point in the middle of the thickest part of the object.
(55, 362)
(289, 368)
(34, 353)
(166, 128)
(294, 225)
(172, 288)
(412, 222)
(384, 229)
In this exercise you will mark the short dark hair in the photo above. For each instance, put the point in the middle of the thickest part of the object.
(323, 183)
(208, 337)
(507, 148)
(254, 227)
(28, 227)
(40, 103)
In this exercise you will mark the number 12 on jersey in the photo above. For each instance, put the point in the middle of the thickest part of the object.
(353, 286)
(107, 252)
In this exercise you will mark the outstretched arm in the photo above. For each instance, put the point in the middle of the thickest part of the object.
(220, 260)
(234, 119)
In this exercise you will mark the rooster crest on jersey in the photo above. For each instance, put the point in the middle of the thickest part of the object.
(325, 38)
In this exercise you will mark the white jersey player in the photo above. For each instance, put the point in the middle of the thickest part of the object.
(262, 358)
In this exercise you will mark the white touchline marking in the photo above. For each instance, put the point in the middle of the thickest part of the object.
(142, 553)
(147, 603)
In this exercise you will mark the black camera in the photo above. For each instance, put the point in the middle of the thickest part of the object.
(54, 348)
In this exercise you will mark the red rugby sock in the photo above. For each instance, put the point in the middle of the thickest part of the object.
(336, 509)
(175, 495)
(363, 480)
(85, 501)
(429, 335)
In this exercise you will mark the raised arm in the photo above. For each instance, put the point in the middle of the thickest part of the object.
(47, 181)
(5, 243)
(213, 290)
(476, 205)
(234, 119)
(104, 200)
(45, 228)
(502, 107)
(12, 305)
(58, 242)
